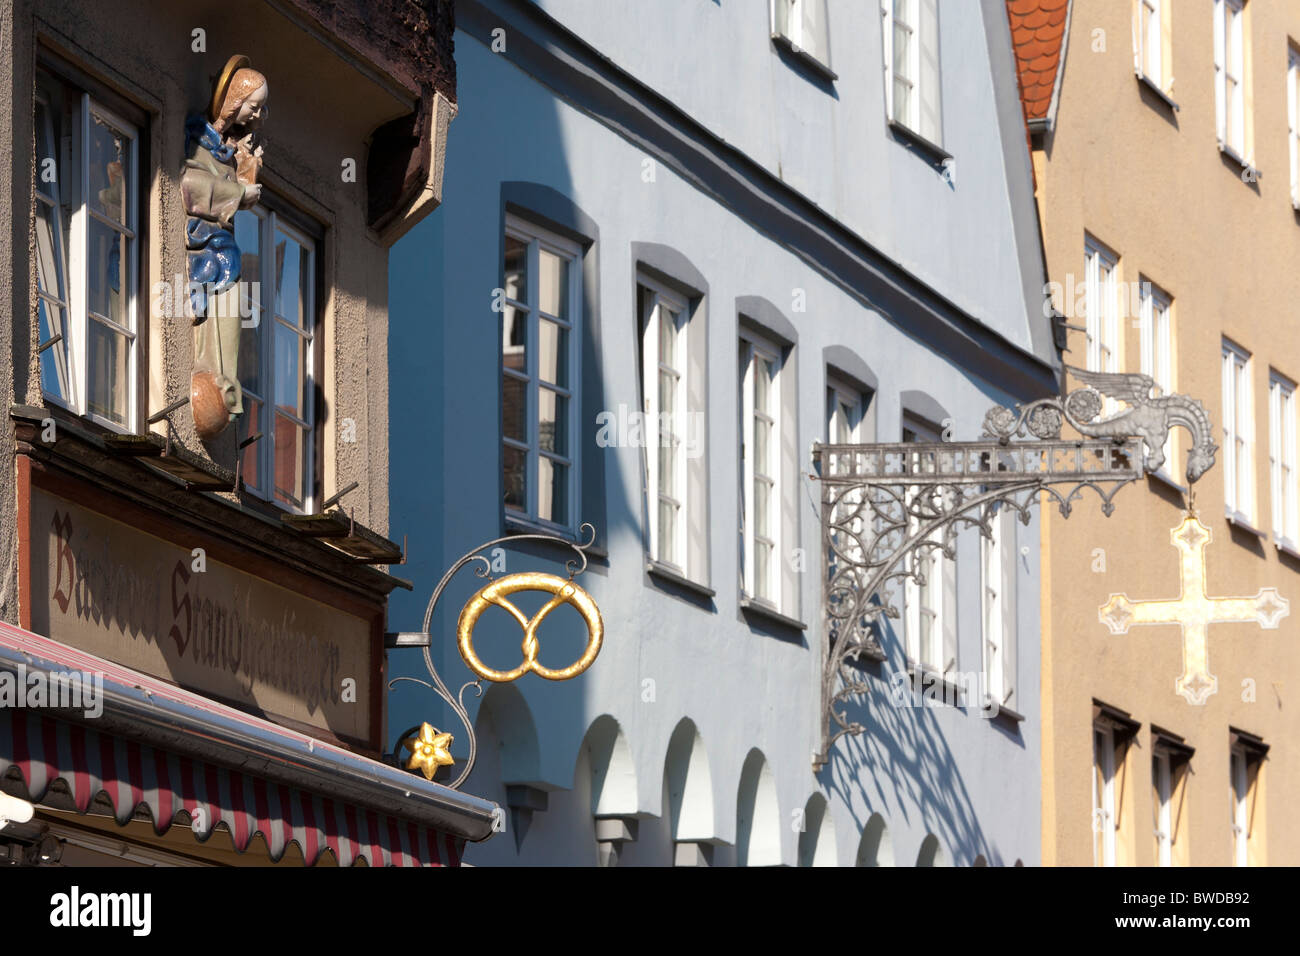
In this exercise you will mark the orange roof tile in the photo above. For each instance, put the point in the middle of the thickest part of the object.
(1037, 31)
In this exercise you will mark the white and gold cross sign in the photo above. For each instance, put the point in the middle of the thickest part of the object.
(1194, 611)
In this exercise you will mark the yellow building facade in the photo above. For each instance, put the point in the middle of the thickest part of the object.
(1164, 145)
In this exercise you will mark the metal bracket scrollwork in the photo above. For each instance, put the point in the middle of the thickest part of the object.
(887, 508)
(428, 747)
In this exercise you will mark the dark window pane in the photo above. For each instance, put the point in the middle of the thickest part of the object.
(290, 461)
(514, 339)
(248, 424)
(516, 269)
(516, 481)
(514, 408)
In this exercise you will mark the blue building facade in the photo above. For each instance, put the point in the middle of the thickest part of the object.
(688, 240)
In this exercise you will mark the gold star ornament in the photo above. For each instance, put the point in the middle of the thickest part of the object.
(430, 750)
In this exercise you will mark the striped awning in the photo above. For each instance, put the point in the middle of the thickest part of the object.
(160, 747)
(132, 775)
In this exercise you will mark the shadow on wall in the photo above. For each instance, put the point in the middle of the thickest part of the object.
(539, 826)
(904, 757)
(445, 409)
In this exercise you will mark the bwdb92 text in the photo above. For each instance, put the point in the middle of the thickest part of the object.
(1160, 899)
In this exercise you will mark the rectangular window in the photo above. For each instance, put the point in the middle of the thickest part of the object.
(761, 453)
(997, 585)
(1149, 48)
(846, 424)
(1162, 784)
(664, 352)
(910, 33)
(1282, 460)
(87, 254)
(803, 23)
(1104, 825)
(1158, 358)
(1293, 120)
(1229, 63)
(1238, 434)
(1240, 807)
(539, 375)
(929, 596)
(277, 357)
(845, 411)
(1101, 309)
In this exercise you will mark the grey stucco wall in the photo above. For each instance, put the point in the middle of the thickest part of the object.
(971, 782)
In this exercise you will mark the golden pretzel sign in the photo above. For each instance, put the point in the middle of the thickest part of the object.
(565, 591)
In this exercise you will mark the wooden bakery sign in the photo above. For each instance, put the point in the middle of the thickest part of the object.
(150, 604)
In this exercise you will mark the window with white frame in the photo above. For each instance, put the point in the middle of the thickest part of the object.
(929, 595)
(1163, 785)
(1293, 120)
(87, 254)
(539, 375)
(1282, 460)
(1149, 33)
(1238, 434)
(846, 424)
(803, 23)
(664, 347)
(1240, 770)
(910, 33)
(1101, 310)
(998, 604)
(1229, 74)
(1104, 821)
(845, 411)
(762, 489)
(1158, 356)
(277, 366)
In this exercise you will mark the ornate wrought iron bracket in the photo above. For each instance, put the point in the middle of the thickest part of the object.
(883, 505)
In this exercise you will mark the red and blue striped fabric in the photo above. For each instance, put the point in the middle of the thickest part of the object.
(132, 775)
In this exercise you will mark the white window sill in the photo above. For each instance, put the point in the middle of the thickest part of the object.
(674, 576)
(1287, 547)
(1242, 523)
(1155, 88)
(1003, 711)
(822, 69)
(934, 150)
(768, 612)
(1254, 174)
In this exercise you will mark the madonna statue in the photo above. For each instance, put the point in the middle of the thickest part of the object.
(222, 165)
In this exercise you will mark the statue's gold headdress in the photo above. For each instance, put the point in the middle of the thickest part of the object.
(236, 62)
